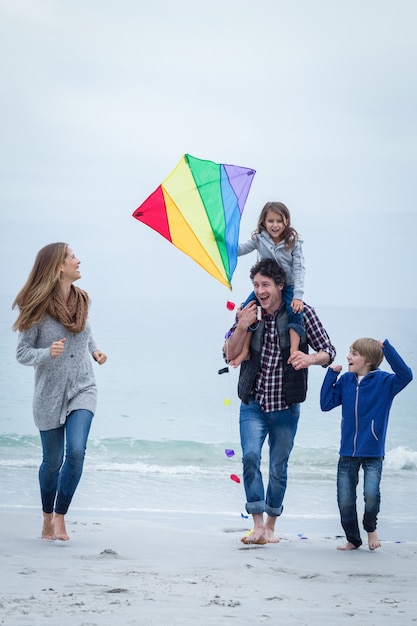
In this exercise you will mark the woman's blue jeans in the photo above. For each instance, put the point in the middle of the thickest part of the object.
(58, 479)
(280, 428)
(347, 481)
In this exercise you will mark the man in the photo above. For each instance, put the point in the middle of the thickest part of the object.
(272, 383)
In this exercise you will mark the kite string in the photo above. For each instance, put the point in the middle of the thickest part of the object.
(230, 453)
(228, 400)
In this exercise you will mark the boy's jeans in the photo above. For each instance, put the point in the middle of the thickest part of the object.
(59, 480)
(347, 481)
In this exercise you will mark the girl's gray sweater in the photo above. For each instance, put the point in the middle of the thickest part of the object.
(62, 384)
(292, 261)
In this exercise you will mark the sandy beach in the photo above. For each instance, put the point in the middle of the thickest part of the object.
(178, 570)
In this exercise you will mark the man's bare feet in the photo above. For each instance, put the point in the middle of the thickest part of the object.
(262, 533)
(256, 536)
(373, 541)
(347, 546)
(270, 531)
(59, 527)
(48, 533)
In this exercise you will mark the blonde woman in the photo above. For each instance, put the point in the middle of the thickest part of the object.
(56, 339)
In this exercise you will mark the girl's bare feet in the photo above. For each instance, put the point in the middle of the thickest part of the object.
(48, 533)
(373, 541)
(59, 527)
(243, 356)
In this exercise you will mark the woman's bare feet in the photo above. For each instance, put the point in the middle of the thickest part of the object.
(373, 541)
(347, 546)
(48, 532)
(59, 527)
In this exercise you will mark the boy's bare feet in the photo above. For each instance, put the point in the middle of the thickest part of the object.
(347, 546)
(373, 541)
(59, 527)
(48, 533)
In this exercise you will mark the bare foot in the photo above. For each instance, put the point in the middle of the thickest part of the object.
(373, 541)
(256, 536)
(59, 527)
(48, 533)
(347, 546)
(270, 534)
(243, 356)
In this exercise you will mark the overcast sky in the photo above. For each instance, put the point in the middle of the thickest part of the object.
(100, 99)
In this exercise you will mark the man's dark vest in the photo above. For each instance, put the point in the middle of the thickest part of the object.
(295, 381)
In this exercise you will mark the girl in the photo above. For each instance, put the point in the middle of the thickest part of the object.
(275, 238)
(55, 337)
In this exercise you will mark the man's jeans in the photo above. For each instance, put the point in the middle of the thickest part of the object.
(59, 480)
(255, 426)
(347, 481)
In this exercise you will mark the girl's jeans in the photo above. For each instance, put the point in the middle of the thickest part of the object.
(58, 479)
(347, 481)
(280, 428)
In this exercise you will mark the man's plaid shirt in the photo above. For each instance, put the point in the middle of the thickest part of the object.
(268, 388)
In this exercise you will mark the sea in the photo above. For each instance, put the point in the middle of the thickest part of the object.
(165, 437)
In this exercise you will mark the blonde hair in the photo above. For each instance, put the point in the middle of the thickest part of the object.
(34, 297)
(290, 235)
(370, 350)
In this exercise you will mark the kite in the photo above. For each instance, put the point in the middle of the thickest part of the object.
(198, 208)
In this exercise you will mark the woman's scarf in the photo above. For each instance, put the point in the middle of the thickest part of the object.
(74, 312)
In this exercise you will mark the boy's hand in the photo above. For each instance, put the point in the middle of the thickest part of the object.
(336, 368)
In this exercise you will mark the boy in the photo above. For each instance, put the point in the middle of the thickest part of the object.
(366, 394)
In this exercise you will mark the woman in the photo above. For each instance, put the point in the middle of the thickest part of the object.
(55, 337)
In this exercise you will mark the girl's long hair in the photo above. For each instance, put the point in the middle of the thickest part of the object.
(290, 235)
(33, 299)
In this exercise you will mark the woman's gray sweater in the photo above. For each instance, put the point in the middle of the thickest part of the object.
(64, 383)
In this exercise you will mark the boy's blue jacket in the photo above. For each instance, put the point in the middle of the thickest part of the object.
(365, 406)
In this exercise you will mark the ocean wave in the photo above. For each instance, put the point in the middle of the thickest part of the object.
(401, 459)
(183, 457)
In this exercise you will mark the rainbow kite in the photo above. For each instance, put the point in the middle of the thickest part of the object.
(198, 209)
